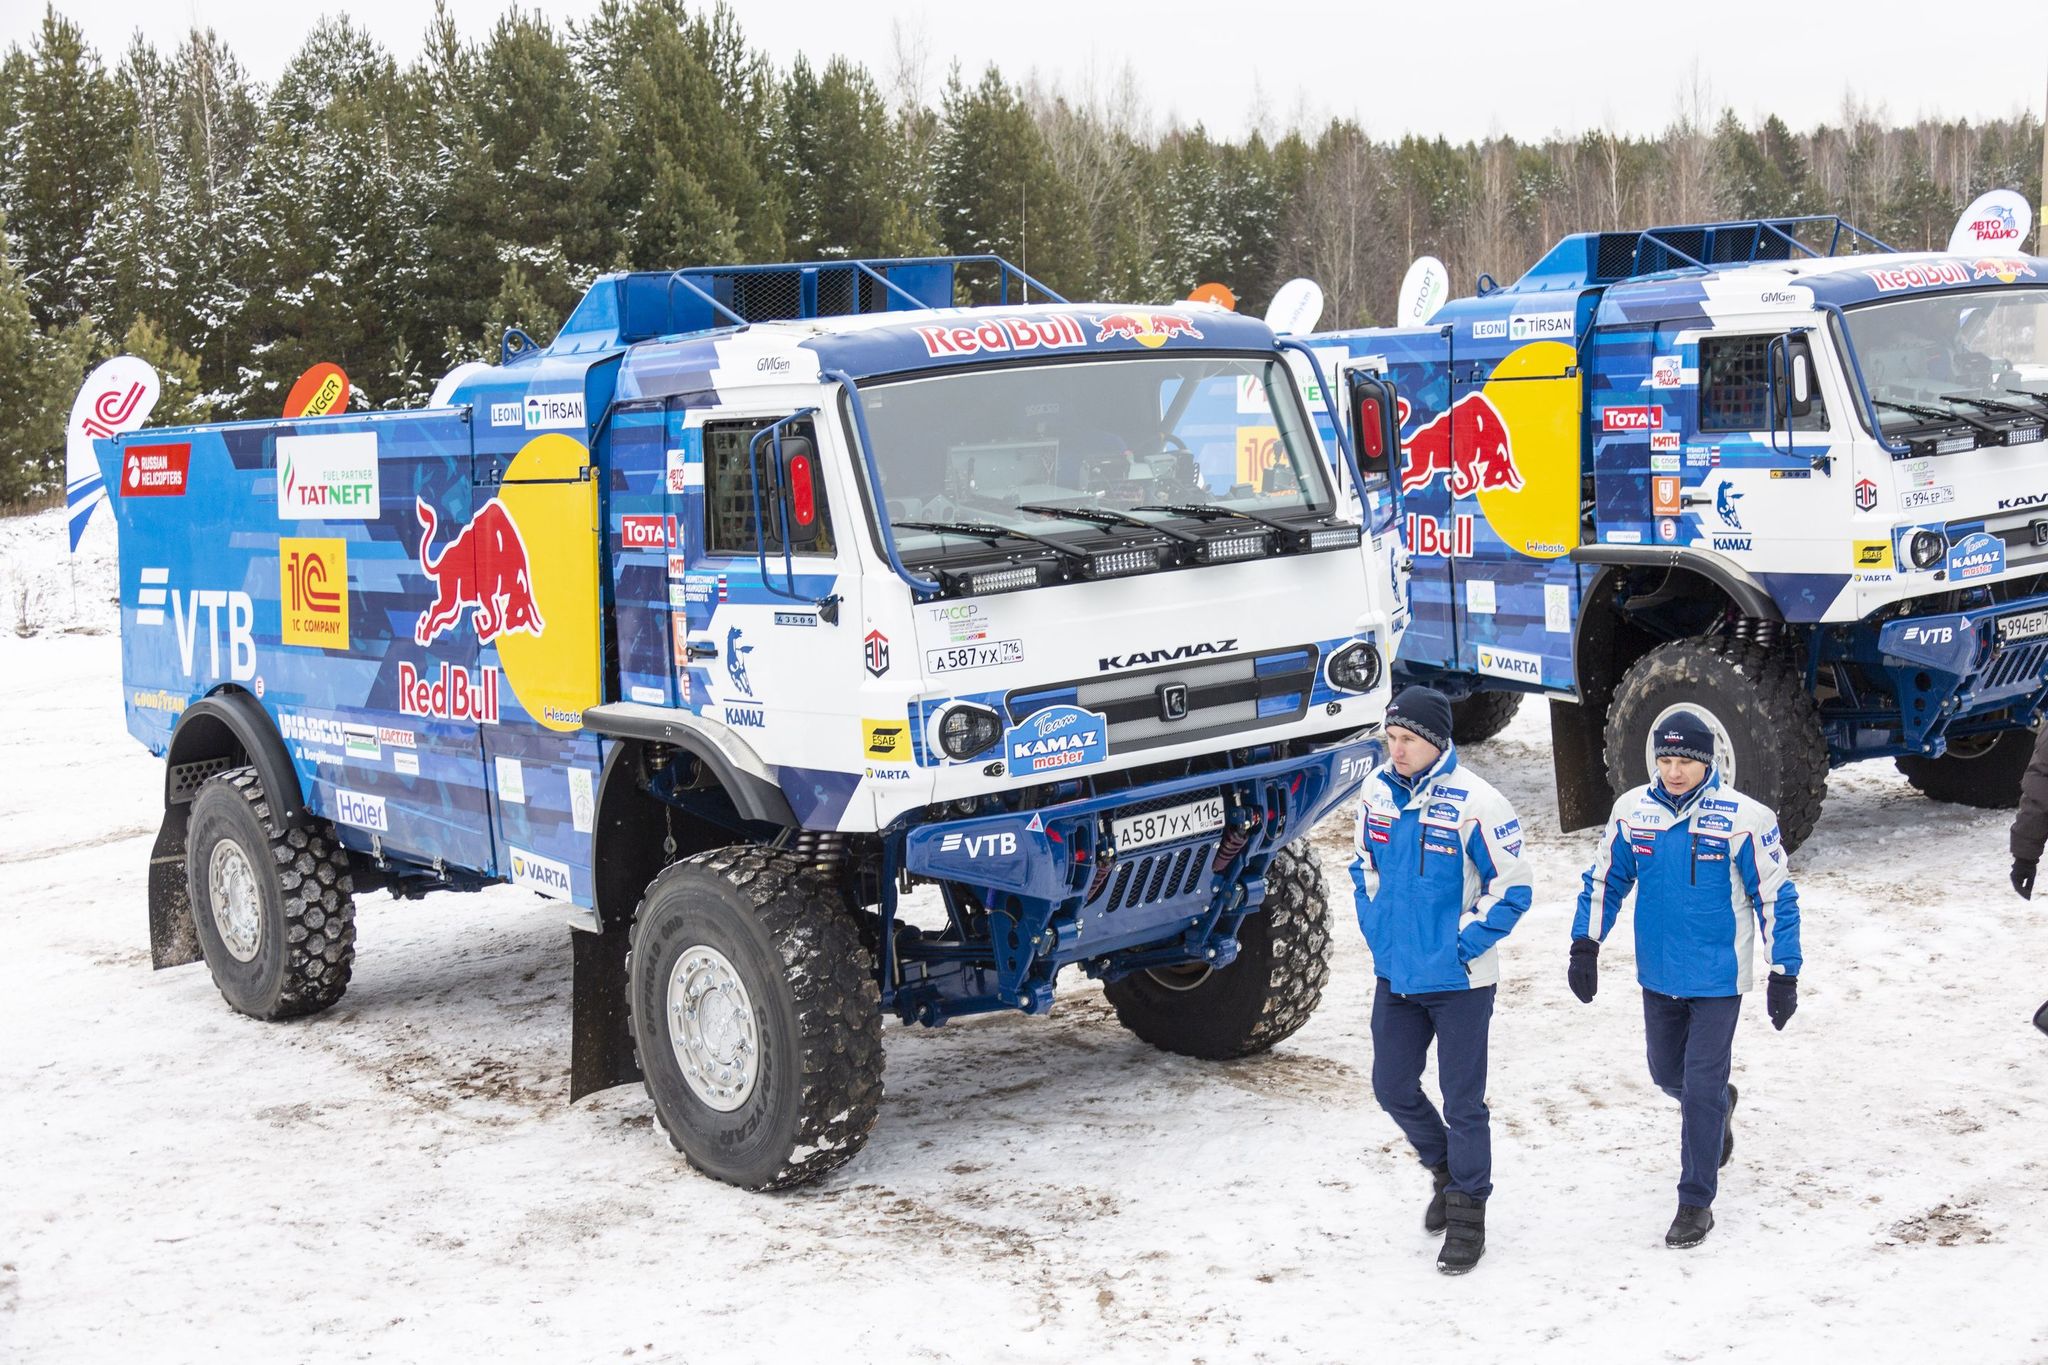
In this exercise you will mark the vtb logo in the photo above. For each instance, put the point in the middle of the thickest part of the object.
(312, 591)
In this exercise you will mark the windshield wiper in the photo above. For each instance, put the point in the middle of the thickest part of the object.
(1921, 410)
(1108, 518)
(1988, 404)
(991, 533)
(1204, 512)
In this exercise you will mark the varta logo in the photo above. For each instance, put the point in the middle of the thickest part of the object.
(1164, 656)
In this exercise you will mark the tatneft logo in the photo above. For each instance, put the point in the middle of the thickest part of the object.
(332, 477)
(1535, 326)
(312, 592)
(155, 592)
(553, 411)
(155, 471)
(364, 812)
(979, 845)
(1510, 663)
(536, 873)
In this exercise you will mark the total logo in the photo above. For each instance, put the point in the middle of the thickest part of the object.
(536, 873)
(230, 617)
(1637, 418)
(980, 845)
(452, 694)
(647, 532)
(1509, 663)
(1150, 330)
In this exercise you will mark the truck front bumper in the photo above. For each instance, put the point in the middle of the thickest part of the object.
(1967, 672)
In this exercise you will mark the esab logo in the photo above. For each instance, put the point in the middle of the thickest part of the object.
(312, 592)
(885, 739)
(1873, 554)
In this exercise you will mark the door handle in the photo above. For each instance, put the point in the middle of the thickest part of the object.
(698, 650)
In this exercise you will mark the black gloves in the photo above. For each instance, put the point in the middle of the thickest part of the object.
(1584, 974)
(1781, 998)
(2023, 876)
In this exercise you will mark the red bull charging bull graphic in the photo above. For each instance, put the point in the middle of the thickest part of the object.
(483, 570)
(1150, 330)
(1469, 442)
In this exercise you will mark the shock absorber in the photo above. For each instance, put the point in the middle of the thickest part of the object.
(824, 850)
(1236, 834)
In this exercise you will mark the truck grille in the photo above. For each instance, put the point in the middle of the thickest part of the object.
(1225, 696)
(1151, 877)
(2018, 534)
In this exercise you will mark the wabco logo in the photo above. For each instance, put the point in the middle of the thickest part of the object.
(155, 592)
(1164, 656)
(979, 845)
(536, 873)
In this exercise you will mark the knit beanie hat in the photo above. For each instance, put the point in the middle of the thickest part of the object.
(1425, 711)
(1684, 735)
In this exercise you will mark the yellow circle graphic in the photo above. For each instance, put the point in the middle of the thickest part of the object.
(1539, 406)
(555, 672)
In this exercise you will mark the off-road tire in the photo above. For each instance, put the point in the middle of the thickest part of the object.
(1988, 779)
(1758, 693)
(306, 946)
(796, 945)
(1283, 963)
(1481, 716)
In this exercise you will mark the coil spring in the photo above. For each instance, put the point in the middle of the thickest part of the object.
(824, 850)
(1751, 630)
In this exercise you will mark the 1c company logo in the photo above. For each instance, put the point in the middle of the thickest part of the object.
(312, 592)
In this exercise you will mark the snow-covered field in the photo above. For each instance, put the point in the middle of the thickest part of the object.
(403, 1178)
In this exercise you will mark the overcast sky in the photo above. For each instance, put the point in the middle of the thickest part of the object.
(1464, 70)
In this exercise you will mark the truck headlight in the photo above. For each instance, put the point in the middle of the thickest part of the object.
(964, 730)
(1354, 667)
(1925, 548)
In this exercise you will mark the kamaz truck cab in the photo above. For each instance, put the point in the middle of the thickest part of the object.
(1769, 471)
(760, 598)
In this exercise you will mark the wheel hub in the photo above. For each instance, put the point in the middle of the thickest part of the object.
(237, 908)
(1724, 747)
(711, 1028)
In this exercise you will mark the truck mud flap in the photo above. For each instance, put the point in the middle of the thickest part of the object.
(600, 1033)
(1578, 758)
(172, 940)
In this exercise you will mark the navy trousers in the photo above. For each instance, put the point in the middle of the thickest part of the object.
(1691, 1046)
(1402, 1028)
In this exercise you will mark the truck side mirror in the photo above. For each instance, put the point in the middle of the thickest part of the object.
(1374, 420)
(1798, 378)
(798, 491)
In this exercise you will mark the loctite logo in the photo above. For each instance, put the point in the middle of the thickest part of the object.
(482, 570)
(1003, 334)
(647, 532)
(155, 471)
(1469, 442)
(1632, 419)
(452, 694)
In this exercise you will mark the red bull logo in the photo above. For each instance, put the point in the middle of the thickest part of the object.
(1151, 330)
(996, 335)
(1469, 442)
(2002, 268)
(483, 570)
(1920, 276)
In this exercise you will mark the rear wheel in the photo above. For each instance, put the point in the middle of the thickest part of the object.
(1283, 962)
(275, 914)
(755, 1017)
(1483, 715)
(1766, 725)
(1982, 771)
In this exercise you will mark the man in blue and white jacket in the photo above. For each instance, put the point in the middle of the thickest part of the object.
(1439, 881)
(1712, 889)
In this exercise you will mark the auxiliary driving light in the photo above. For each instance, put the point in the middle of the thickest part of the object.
(1343, 536)
(1117, 563)
(1355, 667)
(1924, 549)
(965, 730)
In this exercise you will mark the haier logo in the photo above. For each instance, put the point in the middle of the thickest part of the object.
(1164, 656)
(979, 845)
(364, 812)
(554, 411)
(536, 873)
(239, 629)
(1510, 663)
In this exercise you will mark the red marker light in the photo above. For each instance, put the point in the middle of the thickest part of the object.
(802, 490)
(1372, 429)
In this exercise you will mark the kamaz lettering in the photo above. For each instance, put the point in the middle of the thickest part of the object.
(1164, 656)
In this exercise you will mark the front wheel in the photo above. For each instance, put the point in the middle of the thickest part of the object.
(1481, 716)
(1766, 725)
(1982, 771)
(756, 1018)
(1283, 962)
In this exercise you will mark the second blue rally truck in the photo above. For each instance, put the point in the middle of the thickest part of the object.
(1771, 472)
(758, 600)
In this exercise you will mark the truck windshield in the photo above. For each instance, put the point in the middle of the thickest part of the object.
(1977, 360)
(1120, 442)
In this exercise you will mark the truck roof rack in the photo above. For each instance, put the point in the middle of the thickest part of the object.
(1592, 258)
(642, 304)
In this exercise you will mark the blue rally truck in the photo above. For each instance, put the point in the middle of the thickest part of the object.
(757, 600)
(1770, 471)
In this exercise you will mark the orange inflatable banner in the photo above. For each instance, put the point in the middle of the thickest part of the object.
(320, 391)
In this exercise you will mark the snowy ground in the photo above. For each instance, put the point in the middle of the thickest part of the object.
(403, 1178)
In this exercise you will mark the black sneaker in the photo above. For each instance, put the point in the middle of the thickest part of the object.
(1728, 1130)
(2041, 1017)
(1690, 1227)
(1465, 1234)
(1433, 1216)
